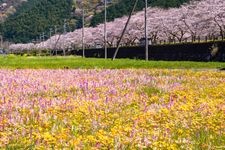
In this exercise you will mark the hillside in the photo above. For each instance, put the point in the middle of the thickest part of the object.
(37, 16)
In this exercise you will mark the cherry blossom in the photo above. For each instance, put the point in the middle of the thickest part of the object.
(195, 19)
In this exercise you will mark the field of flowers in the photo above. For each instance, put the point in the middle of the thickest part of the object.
(112, 109)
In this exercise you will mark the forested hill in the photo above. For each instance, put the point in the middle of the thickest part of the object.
(37, 16)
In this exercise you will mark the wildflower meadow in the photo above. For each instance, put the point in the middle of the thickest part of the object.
(112, 109)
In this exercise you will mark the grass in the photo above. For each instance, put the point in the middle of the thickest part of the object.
(71, 62)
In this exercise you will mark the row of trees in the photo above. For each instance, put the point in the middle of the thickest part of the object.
(197, 19)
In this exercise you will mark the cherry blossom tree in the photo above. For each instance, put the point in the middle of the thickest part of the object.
(196, 19)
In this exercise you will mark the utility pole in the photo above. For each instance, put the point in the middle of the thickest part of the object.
(43, 37)
(40, 45)
(64, 31)
(105, 30)
(40, 38)
(55, 30)
(83, 48)
(55, 40)
(64, 26)
(50, 35)
(37, 40)
(146, 31)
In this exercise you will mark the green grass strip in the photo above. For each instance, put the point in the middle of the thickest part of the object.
(71, 62)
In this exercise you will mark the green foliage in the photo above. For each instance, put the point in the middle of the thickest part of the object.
(35, 17)
(124, 6)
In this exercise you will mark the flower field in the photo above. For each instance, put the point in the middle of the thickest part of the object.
(112, 109)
